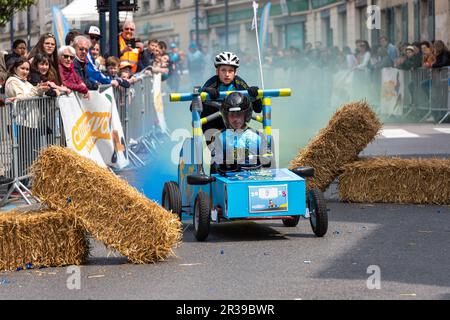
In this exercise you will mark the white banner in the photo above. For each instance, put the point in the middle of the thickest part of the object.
(158, 102)
(93, 129)
(392, 91)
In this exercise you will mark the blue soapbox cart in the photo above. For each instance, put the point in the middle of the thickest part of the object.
(257, 193)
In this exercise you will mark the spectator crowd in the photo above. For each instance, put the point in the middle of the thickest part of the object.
(79, 65)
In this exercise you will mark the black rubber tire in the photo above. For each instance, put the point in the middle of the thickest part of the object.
(171, 198)
(318, 212)
(291, 222)
(202, 216)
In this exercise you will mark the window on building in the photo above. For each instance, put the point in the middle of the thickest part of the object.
(405, 31)
(390, 24)
(327, 32)
(427, 20)
(233, 39)
(146, 5)
(175, 4)
(160, 5)
(417, 36)
(363, 30)
(431, 20)
(295, 35)
(342, 29)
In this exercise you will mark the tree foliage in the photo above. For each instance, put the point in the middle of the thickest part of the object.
(9, 7)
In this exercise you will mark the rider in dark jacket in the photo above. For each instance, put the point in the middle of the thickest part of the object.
(226, 64)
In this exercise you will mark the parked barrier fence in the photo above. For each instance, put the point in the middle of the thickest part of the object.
(26, 127)
(426, 95)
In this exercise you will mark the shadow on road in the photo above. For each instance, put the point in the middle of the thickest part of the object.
(408, 242)
(235, 232)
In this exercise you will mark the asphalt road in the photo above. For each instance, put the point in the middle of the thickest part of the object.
(264, 260)
(408, 245)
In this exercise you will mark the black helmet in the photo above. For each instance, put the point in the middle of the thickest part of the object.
(236, 102)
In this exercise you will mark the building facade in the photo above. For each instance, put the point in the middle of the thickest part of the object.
(293, 23)
(40, 22)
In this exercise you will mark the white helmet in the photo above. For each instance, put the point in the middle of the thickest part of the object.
(226, 59)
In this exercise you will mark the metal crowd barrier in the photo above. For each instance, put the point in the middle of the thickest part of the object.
(31, 124)
(429, 93)
(138, 116)
(26, 126)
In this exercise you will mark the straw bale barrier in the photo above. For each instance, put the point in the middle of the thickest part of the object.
(40, 239)
(348, 132)
(111, 210)
(395, 180)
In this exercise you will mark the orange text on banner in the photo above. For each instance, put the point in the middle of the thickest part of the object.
(91, 125)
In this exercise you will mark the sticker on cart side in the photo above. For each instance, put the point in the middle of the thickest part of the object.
(268, 198)
(258, 175)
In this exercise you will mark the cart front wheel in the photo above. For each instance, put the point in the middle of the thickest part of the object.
(171, 198)
(318, 212)
(202, 216)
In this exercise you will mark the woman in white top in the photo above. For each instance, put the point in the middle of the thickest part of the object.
(28, 114)
(17, 86)
(363, 56)
(361, 76)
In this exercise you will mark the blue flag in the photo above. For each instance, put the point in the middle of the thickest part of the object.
(60, 26)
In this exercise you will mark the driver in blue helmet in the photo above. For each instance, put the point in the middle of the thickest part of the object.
(237, 146)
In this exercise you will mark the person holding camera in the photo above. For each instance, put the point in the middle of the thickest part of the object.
(128, 52)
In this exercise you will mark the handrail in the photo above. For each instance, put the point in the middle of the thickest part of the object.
(270, 93)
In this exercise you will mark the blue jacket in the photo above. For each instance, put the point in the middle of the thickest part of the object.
(237, 147)
(94, 74)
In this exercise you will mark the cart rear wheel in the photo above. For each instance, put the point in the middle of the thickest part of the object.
(202, 216)
(293, 222)
(171, 198)
(318, 212)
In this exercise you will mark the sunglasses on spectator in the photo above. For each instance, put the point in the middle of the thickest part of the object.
(94, 38)
(68, 56)
(128, 29)
(49, 35)
(83, 49)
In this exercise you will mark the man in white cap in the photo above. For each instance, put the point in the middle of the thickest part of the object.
(411, 60)
(92, 71)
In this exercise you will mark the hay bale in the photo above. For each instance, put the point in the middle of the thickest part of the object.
(394, 180)
(348, 132)
(110, 209)
(42, 239)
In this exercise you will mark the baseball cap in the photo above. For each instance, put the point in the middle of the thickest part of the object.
(125, 64)
(173, 45)
(94, 31)
(410, 48)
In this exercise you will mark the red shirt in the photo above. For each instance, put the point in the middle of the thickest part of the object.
(71, 80)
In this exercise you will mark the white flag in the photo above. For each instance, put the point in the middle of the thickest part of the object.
(255, 13)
